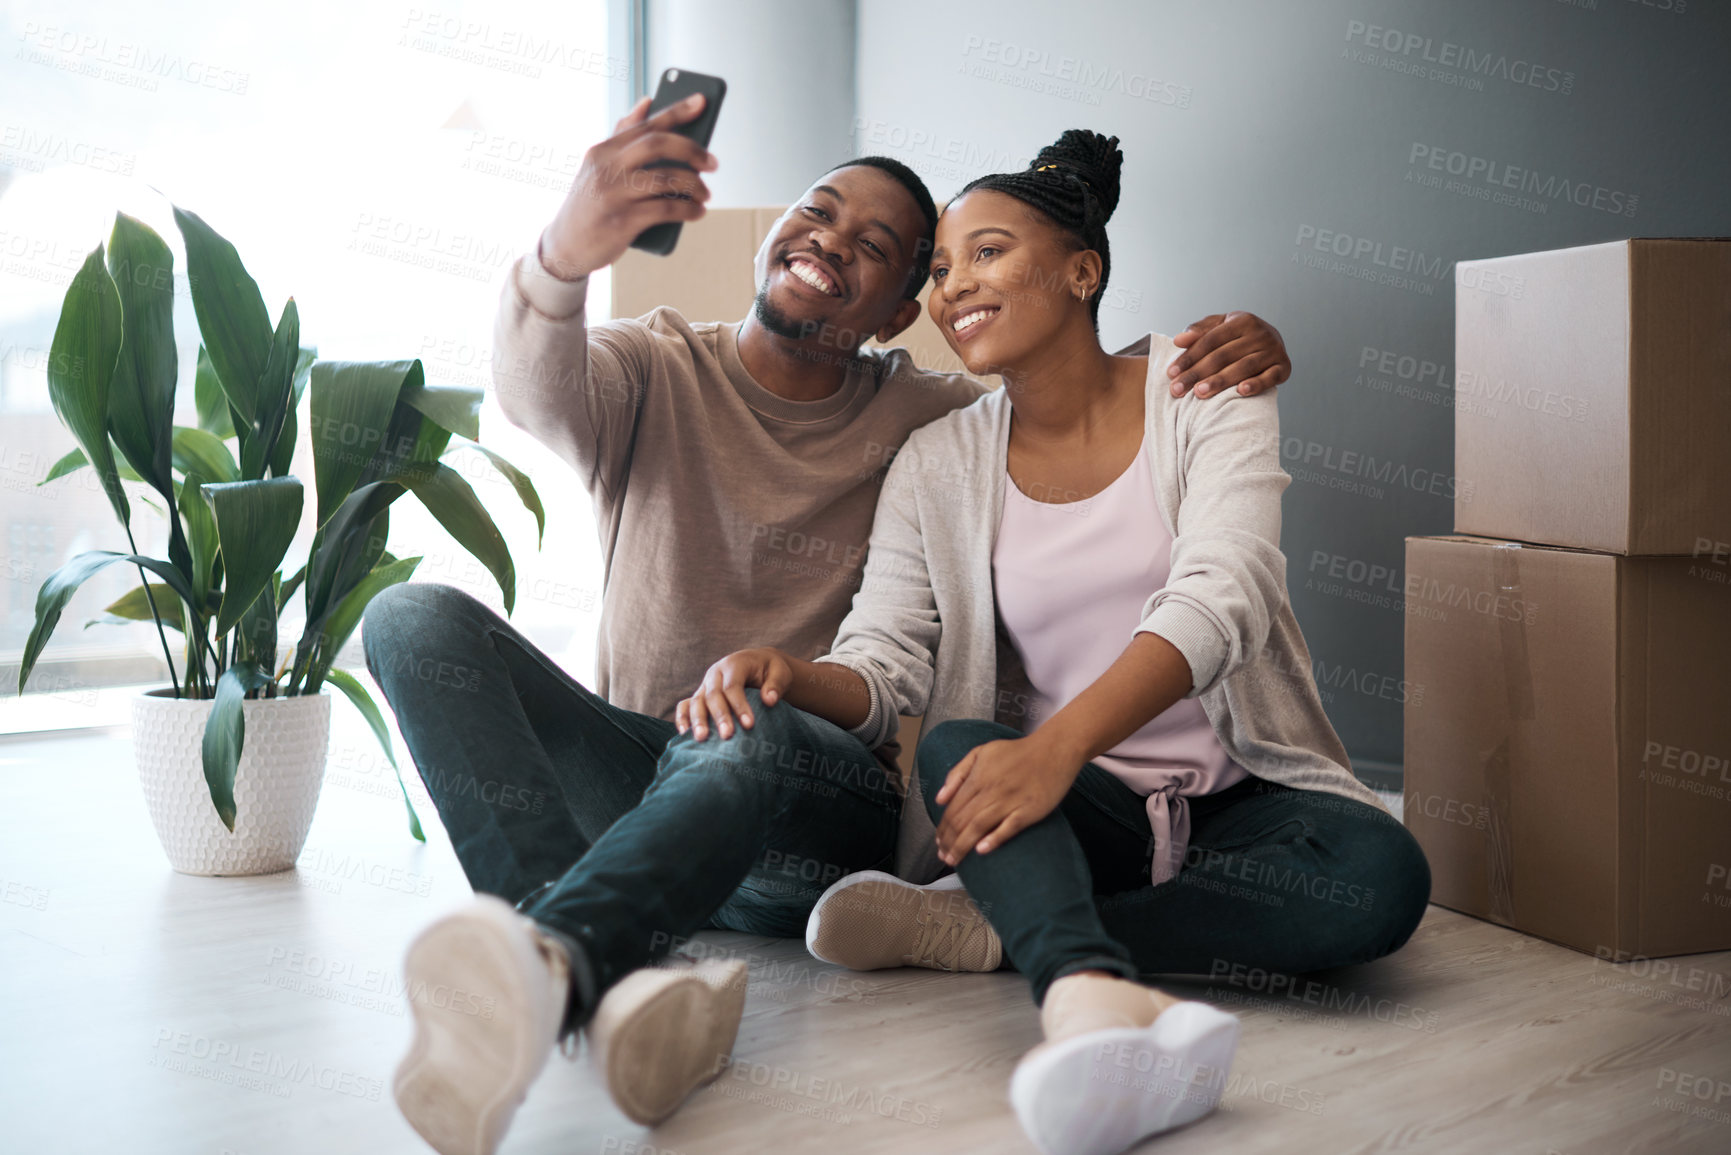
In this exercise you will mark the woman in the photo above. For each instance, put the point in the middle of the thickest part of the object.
(1078, 581)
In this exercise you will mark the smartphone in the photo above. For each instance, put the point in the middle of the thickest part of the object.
(677, 84)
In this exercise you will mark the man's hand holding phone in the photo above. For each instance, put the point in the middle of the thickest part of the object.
(645, 174)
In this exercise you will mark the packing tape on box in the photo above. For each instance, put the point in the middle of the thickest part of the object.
(1518, 696)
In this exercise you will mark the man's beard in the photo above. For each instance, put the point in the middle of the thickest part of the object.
(775, 320)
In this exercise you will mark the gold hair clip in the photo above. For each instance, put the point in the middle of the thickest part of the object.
(1044, 167)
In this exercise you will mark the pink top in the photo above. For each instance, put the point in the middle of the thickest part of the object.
(1071, 582)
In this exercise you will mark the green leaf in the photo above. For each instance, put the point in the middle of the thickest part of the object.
(133, 606)
(449, 407)
(200, 451)
(60, 585)
(201, 537)
(214, 415)
(225, 735)
(231, 317)
(275, 394)
(255, 522)
(450, 500)
(303, 372)
(76, 460)
(288, 588)
(282, 457)
(411, 442)
(357, 693)
(81, 368)
(347, 615)
(71, 463)
(141, 396)
(256, 640)
(352, 405)
(521, 483)
(338, 558)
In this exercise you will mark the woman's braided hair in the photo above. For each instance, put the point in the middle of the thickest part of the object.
(1074, 183)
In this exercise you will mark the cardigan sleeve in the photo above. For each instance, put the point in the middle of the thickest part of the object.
(890, 636)
(1228, 576)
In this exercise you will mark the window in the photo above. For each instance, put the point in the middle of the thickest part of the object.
(382, 164)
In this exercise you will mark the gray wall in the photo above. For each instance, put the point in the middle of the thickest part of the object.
(790, 86)
(1251, 131)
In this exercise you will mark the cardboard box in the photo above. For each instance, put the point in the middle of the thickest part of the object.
(1593, 397)
(1568, 741)
(709, 278)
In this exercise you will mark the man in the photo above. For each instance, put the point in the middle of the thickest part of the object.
(734, 470)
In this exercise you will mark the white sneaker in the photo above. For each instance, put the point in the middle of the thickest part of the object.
(1117, 1068)
(871, 920)
(487, 991)
(662, 1032)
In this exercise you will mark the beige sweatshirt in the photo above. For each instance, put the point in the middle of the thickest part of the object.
(729, 517)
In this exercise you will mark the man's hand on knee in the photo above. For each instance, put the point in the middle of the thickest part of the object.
(721, 696)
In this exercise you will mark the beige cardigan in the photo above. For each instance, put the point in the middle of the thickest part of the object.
(924, 634)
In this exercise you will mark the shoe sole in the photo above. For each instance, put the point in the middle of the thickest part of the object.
(1101, 1092)
(464, 1068)
(814, 926)
(662, 1033)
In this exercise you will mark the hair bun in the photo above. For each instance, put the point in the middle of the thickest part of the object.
(1095, 159)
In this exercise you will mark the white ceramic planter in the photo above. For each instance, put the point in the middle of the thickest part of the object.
(276, 787)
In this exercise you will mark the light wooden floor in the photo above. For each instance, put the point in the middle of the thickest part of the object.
(144, 1011)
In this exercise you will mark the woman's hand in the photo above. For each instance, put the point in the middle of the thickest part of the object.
(721, 694)
(999, 790)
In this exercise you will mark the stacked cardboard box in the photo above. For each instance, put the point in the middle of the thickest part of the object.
(1568, 763)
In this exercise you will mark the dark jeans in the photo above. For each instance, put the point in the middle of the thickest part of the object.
(1284, 880)
(644, 834)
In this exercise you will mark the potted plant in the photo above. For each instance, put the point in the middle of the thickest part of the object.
(231, 754)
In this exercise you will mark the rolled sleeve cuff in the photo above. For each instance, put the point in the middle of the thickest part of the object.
(1196, 637)
(551, 297)
(868, 731)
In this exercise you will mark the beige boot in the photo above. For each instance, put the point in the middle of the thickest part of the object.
(487, 991)
(1121, 1062)
(662, 1032)
(872, 920)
